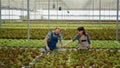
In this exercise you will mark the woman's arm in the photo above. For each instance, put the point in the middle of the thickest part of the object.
(67, 43)
(89, 42)
(88, 39)
(72, 40)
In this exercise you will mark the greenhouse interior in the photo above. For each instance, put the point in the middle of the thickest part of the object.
(59, 34)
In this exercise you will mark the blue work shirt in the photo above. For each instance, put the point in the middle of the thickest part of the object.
(53, 39)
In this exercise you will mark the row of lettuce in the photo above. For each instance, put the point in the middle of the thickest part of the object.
(40, 33)
(61, 25)
(24, 43)
(80, 59)
(17, 57)
(22, 58)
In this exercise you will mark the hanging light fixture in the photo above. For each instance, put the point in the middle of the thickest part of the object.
(60, 8)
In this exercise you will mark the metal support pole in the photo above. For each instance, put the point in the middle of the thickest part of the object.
(93, 10)
(28, 18)
(89, 13)
(117, 20)
(9, 9)
(109, 12)
(48, 13)
(0, 15)
(35, 9)
(57, 12)
(22, 10)
(99, 11)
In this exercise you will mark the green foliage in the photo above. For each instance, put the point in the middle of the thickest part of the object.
(104, 44)
(17, 53)
(16, 57)
(21, 43)
(40, 33)
(63, 26)
(79, 59)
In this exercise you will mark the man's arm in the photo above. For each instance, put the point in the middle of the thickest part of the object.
(46, 44)
(60, 41)
(59, 44)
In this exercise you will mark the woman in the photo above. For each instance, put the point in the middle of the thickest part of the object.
(83, 39)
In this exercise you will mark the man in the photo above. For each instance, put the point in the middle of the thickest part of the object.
(52, 39)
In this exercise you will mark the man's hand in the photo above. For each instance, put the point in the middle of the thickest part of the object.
(48, 49)
(46, 39)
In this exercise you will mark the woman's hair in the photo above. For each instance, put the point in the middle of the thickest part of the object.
(81, 29)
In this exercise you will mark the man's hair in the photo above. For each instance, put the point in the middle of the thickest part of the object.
(57, 28)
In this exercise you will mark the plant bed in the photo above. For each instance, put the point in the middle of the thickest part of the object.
(65, 58)
(40, 33)
(17, 57)
(80, 58)
(35, 43)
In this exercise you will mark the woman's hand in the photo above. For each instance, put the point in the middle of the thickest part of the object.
(59, 47)
(63, 46)
(67, 43)
(89, 46)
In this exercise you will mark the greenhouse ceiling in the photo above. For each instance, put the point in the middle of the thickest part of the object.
(64, 4)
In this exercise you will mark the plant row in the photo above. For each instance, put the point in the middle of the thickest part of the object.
(17, 57)
(88, 26)
(23, 43)
(22, 57)
(38, 33)
(80, 59)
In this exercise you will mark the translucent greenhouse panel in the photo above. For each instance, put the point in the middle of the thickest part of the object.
(96, 13)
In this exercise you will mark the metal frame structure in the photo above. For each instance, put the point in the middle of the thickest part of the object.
(28, 17)
(0, 15)
(117, 20)
(99, 11)
(48, 13)
(56, 7)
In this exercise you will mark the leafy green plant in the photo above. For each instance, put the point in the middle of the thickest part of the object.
(40, 33)
(16, 57)
(82, 58)
(24, 43)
